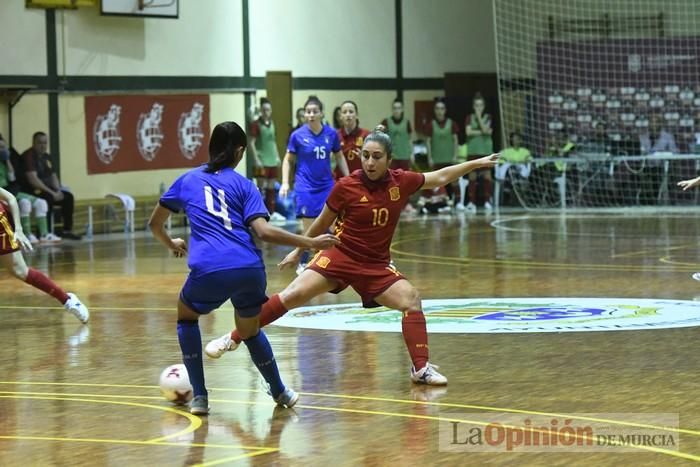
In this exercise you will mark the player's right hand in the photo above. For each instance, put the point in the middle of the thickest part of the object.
(291, 260)
(179, 247)
(687, 184)
(325, 241)
(23, 241)
(489, 161)
(284, 190)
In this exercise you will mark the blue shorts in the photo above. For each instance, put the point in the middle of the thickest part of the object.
(244, 287)
(310, 203)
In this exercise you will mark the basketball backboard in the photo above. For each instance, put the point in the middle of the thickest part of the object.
(146, 8)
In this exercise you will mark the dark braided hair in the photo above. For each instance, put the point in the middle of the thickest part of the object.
(225, 140)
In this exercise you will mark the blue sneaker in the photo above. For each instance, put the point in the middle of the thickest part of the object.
(199, 405)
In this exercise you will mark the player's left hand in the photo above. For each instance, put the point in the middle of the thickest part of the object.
(179, 247)
(23, 241)
(324, 241)
(291, 260)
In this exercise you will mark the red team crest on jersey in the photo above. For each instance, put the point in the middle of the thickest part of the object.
(323, 262)
(394, 193)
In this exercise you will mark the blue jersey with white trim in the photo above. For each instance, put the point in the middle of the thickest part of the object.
(313, 153)
(219, 206)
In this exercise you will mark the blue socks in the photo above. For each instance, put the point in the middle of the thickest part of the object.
(264, 359)
(191, 346)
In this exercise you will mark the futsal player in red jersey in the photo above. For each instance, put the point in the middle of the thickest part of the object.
(351, 136)
(12, 240)
(365, 208)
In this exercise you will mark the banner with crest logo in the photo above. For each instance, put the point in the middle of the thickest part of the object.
(146, 132)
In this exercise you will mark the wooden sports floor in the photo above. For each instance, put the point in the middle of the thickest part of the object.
(88, 395)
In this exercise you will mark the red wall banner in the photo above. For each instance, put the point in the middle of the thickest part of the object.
(146, 132)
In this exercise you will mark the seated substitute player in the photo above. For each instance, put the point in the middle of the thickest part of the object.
(224, 262)
(12, 239)
(365, 208)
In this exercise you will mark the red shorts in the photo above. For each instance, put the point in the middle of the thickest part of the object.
(266, 172)
(397, 164)
(368, 280)
(7, 232)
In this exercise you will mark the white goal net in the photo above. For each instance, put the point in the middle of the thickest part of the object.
(606, 96)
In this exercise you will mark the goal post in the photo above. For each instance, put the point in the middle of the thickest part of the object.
(606, 97)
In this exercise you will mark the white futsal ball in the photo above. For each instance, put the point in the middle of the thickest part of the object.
(175, 384)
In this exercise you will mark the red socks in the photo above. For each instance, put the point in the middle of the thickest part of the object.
(42, 282)
(416, 337)
(271, 311)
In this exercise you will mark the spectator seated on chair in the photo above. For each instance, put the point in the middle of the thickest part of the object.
(26, 202)
(515, 158)
(657, 138)
(39, 179)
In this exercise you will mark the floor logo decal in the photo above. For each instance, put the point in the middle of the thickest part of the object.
(507, 315)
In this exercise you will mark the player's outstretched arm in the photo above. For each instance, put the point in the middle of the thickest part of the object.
(272, 234)
(449, 174)
(157, 225)
(19, 236)
(688, 184)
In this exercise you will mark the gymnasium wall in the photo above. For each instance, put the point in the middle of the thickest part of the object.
(323, 38)
(22, 39)
(447, 36)
(29, 115)
(338, 51)
(203, 41)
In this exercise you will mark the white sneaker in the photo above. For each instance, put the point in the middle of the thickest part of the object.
(696, 276)
(277, 217)
(488, 207)
(460, 206)
(428, 375)
(220, 346)
(50, 238)
(287, 399)
(445, 210)
(32, 239)
(74, 306)
(471, 208)
(301, 268)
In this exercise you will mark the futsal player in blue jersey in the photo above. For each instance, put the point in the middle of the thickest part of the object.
(310, 148)
(224, 262)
